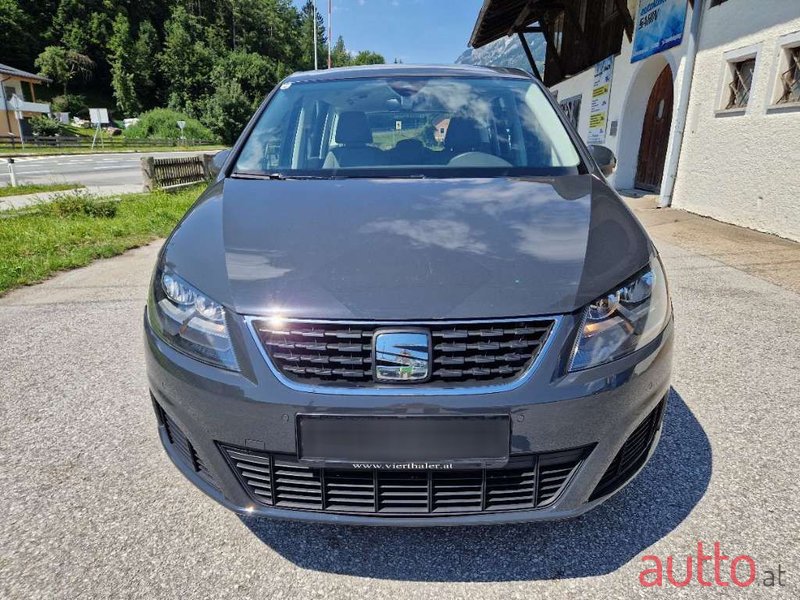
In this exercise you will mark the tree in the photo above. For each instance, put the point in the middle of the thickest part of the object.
(241, 81)
(15, 32)
(84, 27)
(186, 62)
(63, 65)
(213, 60)
(340, 57)
(121, 56)
(227, 111)
(307, 21)
(133, 76)
(145, 71)
(367, 57)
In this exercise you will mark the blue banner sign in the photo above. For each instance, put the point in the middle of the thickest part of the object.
(659, 25)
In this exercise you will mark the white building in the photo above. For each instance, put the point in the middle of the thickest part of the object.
(711, 124)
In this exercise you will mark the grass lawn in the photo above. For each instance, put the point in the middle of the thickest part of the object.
(6, 151)
(35, 188)
(36, 243)
(385, 140)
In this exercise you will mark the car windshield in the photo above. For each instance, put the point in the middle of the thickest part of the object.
(409, 127)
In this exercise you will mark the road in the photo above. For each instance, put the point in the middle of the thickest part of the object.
(91, 506)
(88, 169)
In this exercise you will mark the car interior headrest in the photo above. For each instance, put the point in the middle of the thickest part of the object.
(353, 128)
(463, 135)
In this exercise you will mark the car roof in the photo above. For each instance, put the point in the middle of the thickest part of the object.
(403, 70)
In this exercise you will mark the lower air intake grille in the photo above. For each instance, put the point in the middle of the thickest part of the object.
(632, 454)
(182, 446)
(472, 353)
(527, 482)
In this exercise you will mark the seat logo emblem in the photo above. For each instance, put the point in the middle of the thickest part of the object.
(401, 355)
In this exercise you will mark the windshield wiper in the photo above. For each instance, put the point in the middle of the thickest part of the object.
(382, 176)
(273, 176)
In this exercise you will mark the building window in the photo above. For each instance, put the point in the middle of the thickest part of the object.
(791, 77)
(716, 3)
(740, 83)
(572, 109)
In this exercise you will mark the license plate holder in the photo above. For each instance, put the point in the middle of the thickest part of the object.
(404, 442)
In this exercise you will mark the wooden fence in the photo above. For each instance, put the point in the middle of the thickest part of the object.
(173, 173)
(68, 141)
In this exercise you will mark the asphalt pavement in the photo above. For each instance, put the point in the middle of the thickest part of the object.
(89, 169)
(92, 507)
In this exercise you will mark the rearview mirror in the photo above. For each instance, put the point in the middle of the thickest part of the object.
(604, 158)
(216, 162)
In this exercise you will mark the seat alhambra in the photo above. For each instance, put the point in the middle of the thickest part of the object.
(409, 297)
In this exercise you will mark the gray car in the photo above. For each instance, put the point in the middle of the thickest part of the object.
(409, 297)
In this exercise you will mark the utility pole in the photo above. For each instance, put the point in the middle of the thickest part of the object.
(330, 32)
(314, 21)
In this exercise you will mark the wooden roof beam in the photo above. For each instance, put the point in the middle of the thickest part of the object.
(627, 18)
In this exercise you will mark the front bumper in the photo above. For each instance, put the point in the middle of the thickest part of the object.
(597, 411)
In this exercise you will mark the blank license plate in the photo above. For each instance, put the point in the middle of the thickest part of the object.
(481, 440)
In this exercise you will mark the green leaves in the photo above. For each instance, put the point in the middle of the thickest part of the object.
(213, 61)
(162, 123)
(62, 64)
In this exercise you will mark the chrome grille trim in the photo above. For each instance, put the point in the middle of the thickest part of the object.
(410, 390)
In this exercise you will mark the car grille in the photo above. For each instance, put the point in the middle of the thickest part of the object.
(463, 353)
(632, 454)
(184, 450)
(527, 482)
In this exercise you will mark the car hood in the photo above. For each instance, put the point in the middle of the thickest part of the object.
(408, 249)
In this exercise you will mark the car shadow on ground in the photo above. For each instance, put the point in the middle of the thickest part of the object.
(597, 543)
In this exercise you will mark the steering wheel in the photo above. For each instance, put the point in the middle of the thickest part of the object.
(478, 159)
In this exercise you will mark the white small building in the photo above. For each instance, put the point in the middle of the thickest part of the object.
(703, 101)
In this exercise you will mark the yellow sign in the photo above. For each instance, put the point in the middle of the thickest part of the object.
(597, 120)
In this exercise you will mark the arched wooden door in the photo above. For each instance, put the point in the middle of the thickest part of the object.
(655, 134)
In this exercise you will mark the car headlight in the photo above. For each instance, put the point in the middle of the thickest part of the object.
(623, 320)
(190, 321)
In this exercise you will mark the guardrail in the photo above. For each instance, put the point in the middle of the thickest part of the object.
(68, 141)
(174, 173)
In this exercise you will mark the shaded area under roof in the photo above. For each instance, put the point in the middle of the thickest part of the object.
(578, 33)
(498, 19)
(20, 74)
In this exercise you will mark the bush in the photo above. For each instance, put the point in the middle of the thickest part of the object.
(79, 203)
(43, 125)
(105, 209)
(71, 103)
(228, 110)
(162, 123)
(240, 81)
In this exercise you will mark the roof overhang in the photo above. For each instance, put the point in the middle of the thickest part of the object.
(7, 72)
(500, 18)
(582, 42)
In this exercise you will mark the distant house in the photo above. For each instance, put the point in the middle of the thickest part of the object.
(441, 130)
(18, 99)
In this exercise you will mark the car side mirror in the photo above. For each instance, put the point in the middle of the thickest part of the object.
(604, 158)
(217, 162)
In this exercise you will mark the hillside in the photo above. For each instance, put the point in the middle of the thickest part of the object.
(505, 52)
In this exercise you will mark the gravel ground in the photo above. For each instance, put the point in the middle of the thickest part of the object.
(91, 506)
